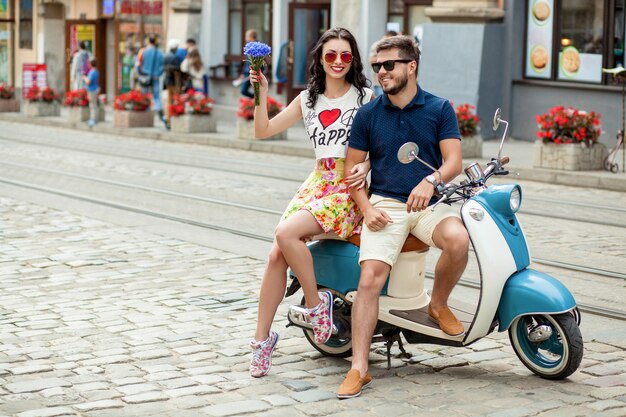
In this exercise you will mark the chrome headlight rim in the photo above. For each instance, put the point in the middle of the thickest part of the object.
(515, 199)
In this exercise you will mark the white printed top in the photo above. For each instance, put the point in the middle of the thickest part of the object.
(329, 122)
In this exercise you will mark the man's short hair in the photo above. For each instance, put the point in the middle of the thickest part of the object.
(152, 39)
(93, 62)
(191, 41)
(405, 45)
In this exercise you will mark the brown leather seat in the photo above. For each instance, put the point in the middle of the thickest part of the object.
(411, 244)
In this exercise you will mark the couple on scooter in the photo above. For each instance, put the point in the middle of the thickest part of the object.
(326, 201)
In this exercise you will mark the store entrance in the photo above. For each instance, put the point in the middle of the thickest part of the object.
(307, 23)
(92, 33)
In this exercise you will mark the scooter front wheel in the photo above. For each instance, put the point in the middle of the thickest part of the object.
(337, 347)
(551, 346)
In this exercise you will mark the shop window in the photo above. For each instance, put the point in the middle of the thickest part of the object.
(619, 38)
(572, 40)
(26, 24)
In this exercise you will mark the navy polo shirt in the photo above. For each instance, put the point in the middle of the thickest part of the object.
(380, 128)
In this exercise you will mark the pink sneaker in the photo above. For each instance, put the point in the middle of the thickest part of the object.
(262, 355)
(321, 318)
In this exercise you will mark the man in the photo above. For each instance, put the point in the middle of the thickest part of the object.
(402, 193)
(251, 36)
(185, 49)
(173, 75)
(152, 66)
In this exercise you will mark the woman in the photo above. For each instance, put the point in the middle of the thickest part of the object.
(194, 68)
(337, 88)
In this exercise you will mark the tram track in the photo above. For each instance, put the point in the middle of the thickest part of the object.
(257, 209)
(584, 307)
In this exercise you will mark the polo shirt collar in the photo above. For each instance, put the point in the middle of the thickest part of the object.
(418, 100)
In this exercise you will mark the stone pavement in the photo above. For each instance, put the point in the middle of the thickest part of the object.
(103, 320)
(297, 143)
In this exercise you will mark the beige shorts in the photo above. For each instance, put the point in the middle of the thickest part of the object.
(385, 245)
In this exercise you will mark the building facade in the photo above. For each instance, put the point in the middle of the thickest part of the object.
(524, 56)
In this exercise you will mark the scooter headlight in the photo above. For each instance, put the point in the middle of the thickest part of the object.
(515, 200)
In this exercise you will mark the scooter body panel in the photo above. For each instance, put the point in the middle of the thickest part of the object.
(532, 292)
(496, 264)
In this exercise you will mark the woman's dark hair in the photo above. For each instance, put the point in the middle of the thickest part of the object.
(355, 76)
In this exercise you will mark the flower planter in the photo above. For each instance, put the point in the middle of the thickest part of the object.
(81, 114)
(9, 105)
(41, 109)
(569, 156)
(472, 146)
(245, 130)
(194, 123)
(126, 118)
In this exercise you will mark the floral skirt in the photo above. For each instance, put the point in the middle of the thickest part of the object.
(325, 195)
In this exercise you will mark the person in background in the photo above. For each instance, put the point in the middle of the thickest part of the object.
(92, 80)
(183, 50)
(376, 85)
(195, 70)
(152, 65)
(173, 75)
(244, 88)
(80, 67)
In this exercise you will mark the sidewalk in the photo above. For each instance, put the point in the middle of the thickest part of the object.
(297, 144)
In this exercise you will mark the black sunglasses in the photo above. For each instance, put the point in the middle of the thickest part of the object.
(389, 65)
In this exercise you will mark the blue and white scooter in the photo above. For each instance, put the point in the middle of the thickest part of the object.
(538, 311)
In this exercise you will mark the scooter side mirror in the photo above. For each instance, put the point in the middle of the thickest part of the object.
(408, 152)
(497, 118)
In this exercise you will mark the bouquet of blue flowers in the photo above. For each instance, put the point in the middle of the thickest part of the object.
(256, 53)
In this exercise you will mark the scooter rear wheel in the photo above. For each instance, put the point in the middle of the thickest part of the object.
(335, 346)
(556, 357)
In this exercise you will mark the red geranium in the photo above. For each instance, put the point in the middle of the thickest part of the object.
(7, 92)
(76, 98)
(467, 120)
(568, 125)
(246, 108)
(47, 94)
(191, 102)
(133, 101)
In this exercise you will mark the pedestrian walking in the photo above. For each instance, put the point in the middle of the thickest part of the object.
(244, 78)
(150, 70)
(173, 75)
(376, 85)
(337, 88)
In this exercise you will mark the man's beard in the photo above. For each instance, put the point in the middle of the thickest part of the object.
(401, 82)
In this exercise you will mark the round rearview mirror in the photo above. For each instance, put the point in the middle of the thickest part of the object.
(408, 152)
(497, 119)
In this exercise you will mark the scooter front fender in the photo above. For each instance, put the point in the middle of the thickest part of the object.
(532, 292)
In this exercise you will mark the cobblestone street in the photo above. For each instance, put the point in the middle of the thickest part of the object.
(103, 320)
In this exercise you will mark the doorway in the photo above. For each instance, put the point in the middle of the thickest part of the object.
(311, 21)
(92, 33)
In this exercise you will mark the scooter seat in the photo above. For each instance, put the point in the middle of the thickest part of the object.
(411, 244)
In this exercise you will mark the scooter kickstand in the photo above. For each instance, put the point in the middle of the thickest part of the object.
(401, 347)
(389, 345)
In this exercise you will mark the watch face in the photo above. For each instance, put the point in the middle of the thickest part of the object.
(431, 179)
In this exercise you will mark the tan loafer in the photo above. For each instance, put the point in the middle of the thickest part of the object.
(447, 321)
(353, 384)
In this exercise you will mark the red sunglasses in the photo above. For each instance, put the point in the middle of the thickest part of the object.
(331, 56)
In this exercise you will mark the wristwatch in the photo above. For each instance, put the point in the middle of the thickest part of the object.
(431, 179)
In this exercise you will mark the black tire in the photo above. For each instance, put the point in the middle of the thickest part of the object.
(335, 347)
(555, 358)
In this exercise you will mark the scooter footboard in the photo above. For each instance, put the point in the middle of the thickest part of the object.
(532, 292)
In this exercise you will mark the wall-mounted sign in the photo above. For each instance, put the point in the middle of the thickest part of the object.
(108, 8)
(539, 38)
(577, 66)
(34, 75)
